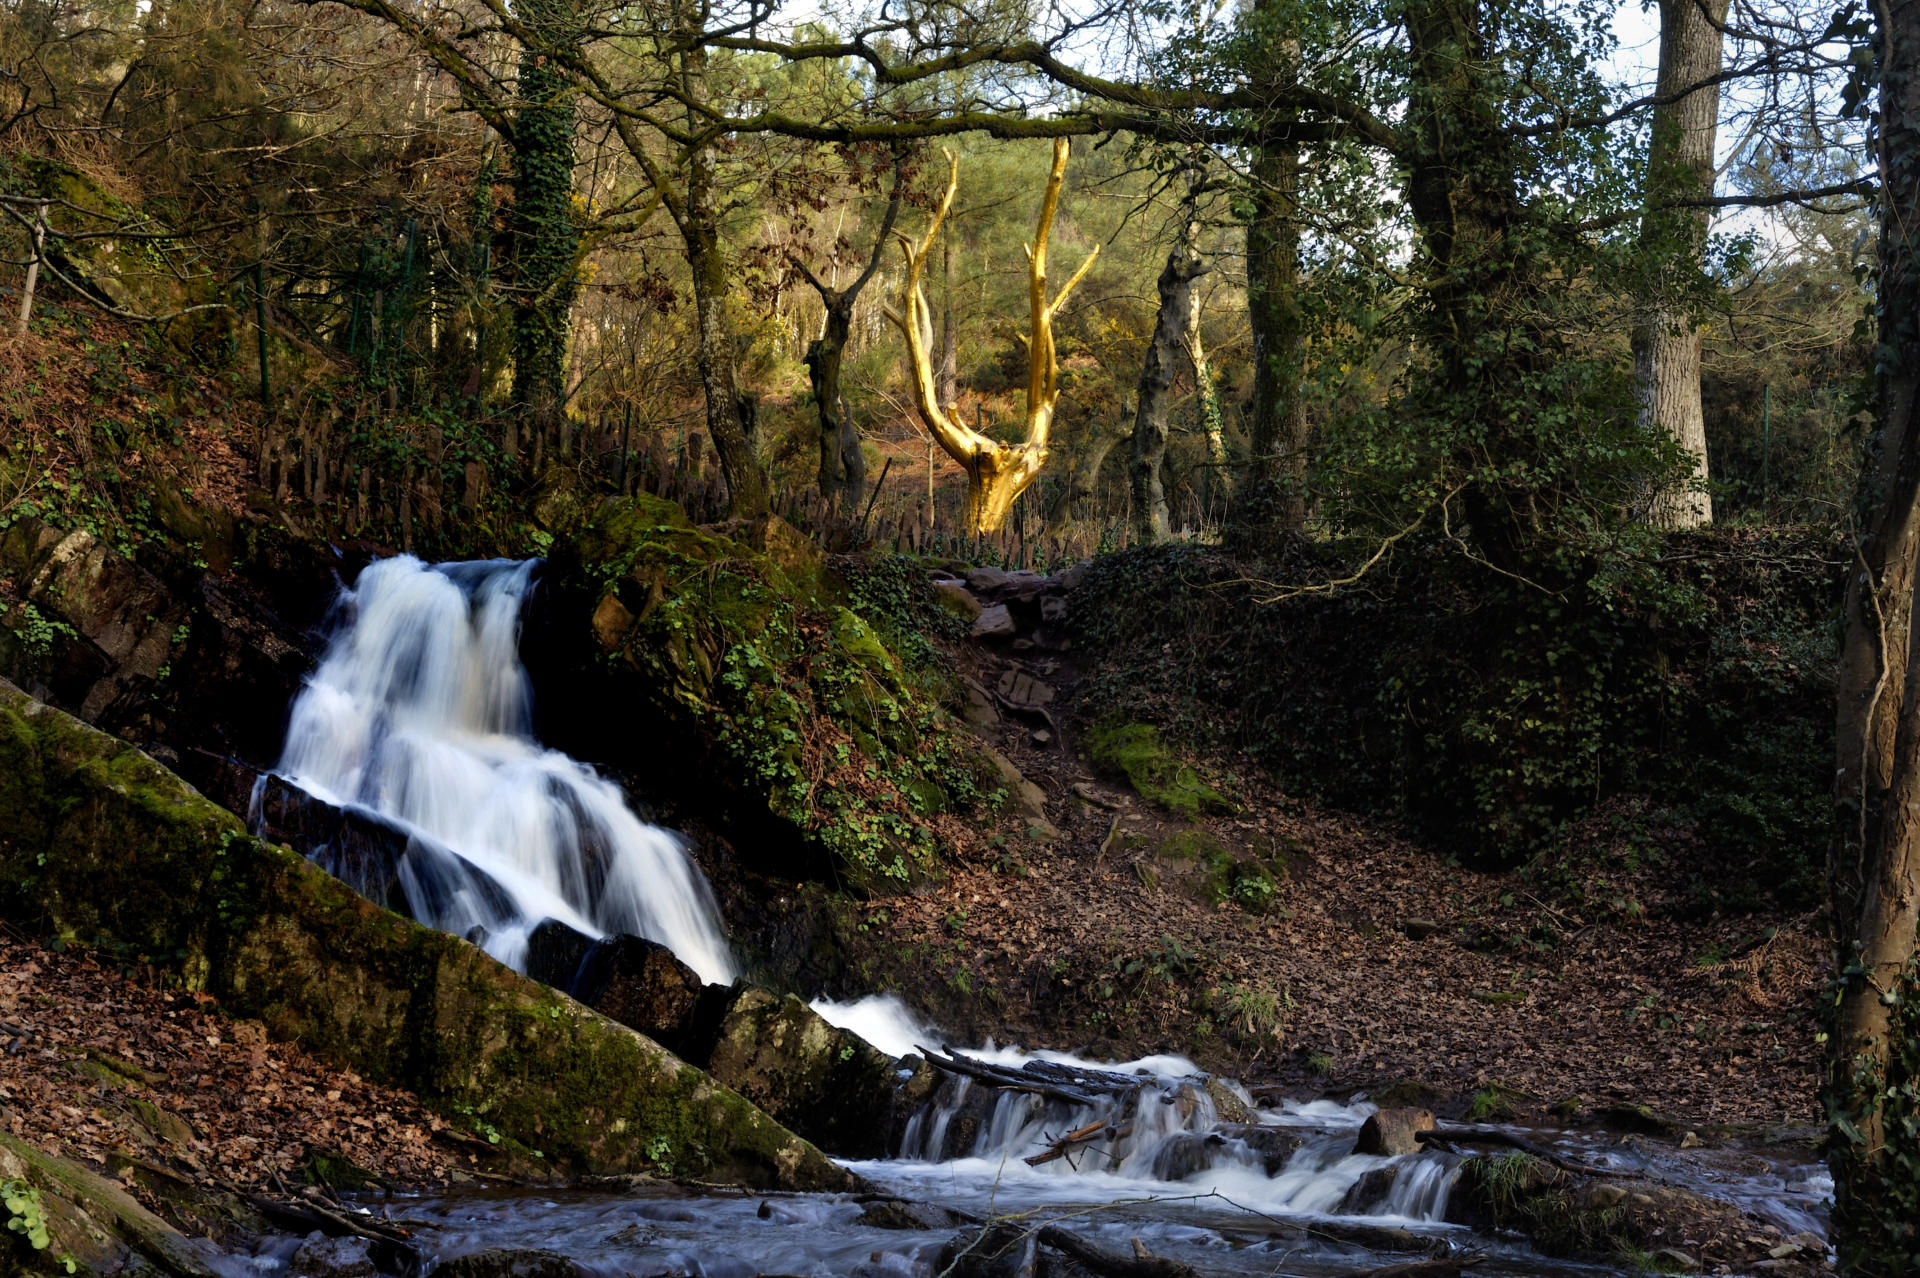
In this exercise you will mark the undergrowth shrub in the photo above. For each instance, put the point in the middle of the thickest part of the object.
(1488, 712)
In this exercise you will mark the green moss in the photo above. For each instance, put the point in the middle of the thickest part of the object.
(806, 714)
(101, 846)
(1135, 751)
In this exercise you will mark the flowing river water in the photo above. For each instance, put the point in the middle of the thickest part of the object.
(420, 715)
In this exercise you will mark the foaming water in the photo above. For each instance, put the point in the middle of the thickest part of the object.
(421, 714)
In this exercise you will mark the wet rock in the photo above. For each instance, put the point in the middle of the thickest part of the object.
(375, 857)
(1393, 1131)
(1185, 1153)
(994, 622)
(1564, 1214)
(1274, 1146)
(1370, 1191)
(895, 1214)
(508, 1262)
(1637, 1119)
(1674, 1261)
(323, 1257)
(1228, 1107)
(818, 1079)
(643, 986)
(554, 952)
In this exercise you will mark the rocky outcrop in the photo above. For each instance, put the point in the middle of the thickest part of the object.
(100, 846)
(195, 664)
(634, 981)
(738, 669)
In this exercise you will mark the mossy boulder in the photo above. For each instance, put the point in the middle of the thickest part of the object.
(832, 1086)
(1609, 1218)
(101, 846)
(1135, 753)
(807, 741)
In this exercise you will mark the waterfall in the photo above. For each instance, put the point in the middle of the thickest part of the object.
(420, 714)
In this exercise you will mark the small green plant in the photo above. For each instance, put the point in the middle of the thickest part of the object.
(1320, 1063)
(27, 1217)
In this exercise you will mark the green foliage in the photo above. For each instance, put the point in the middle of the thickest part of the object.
(1877, 1186)
(1491, 712)
(26, 1214)
(810, 712)
(1135, 752)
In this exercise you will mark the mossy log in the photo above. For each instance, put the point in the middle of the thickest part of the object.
(101, 846)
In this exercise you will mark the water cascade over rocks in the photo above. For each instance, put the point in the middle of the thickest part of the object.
(420, 715)
(419, 719)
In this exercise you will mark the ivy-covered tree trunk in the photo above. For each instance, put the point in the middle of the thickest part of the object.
(1273, 497)
(1150, 523)
(1481, 318)
(1666, 341)
(546, 236)
(747, 496)
(1872, 1090)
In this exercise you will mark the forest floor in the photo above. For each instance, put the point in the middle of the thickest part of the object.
(107, 1067)
(1372, 961)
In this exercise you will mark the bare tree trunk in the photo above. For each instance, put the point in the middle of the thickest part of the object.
(33, 269)
(1872, 1090)
(1207, 396)
(1666, 341)
(1150, 522)
(949, 377)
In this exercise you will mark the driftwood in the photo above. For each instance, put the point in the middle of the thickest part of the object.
(1112, 1264)
(392, 1251)
(1040, 1078)
(1102, 1126)
(1454, 1135)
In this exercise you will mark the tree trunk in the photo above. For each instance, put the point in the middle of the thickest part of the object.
(949, 374)
(1156, 378)
(546, 239)
(1666, 342)
(1872, 1090)
(1483, 318)
(1273, 496)
(843, 467)
(1207, 396)
(747, 496)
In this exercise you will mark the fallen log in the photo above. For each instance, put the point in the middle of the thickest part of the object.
(1112, 1264)
(1067, 1085)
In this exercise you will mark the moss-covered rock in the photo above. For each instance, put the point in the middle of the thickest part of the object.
(1595, 1217)
(1135, 752)
(832, 1086)
(101, 846)
(788, 706)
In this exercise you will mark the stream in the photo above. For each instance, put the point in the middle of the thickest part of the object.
(420, 715)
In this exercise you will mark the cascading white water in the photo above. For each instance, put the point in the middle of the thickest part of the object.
(421, 714)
